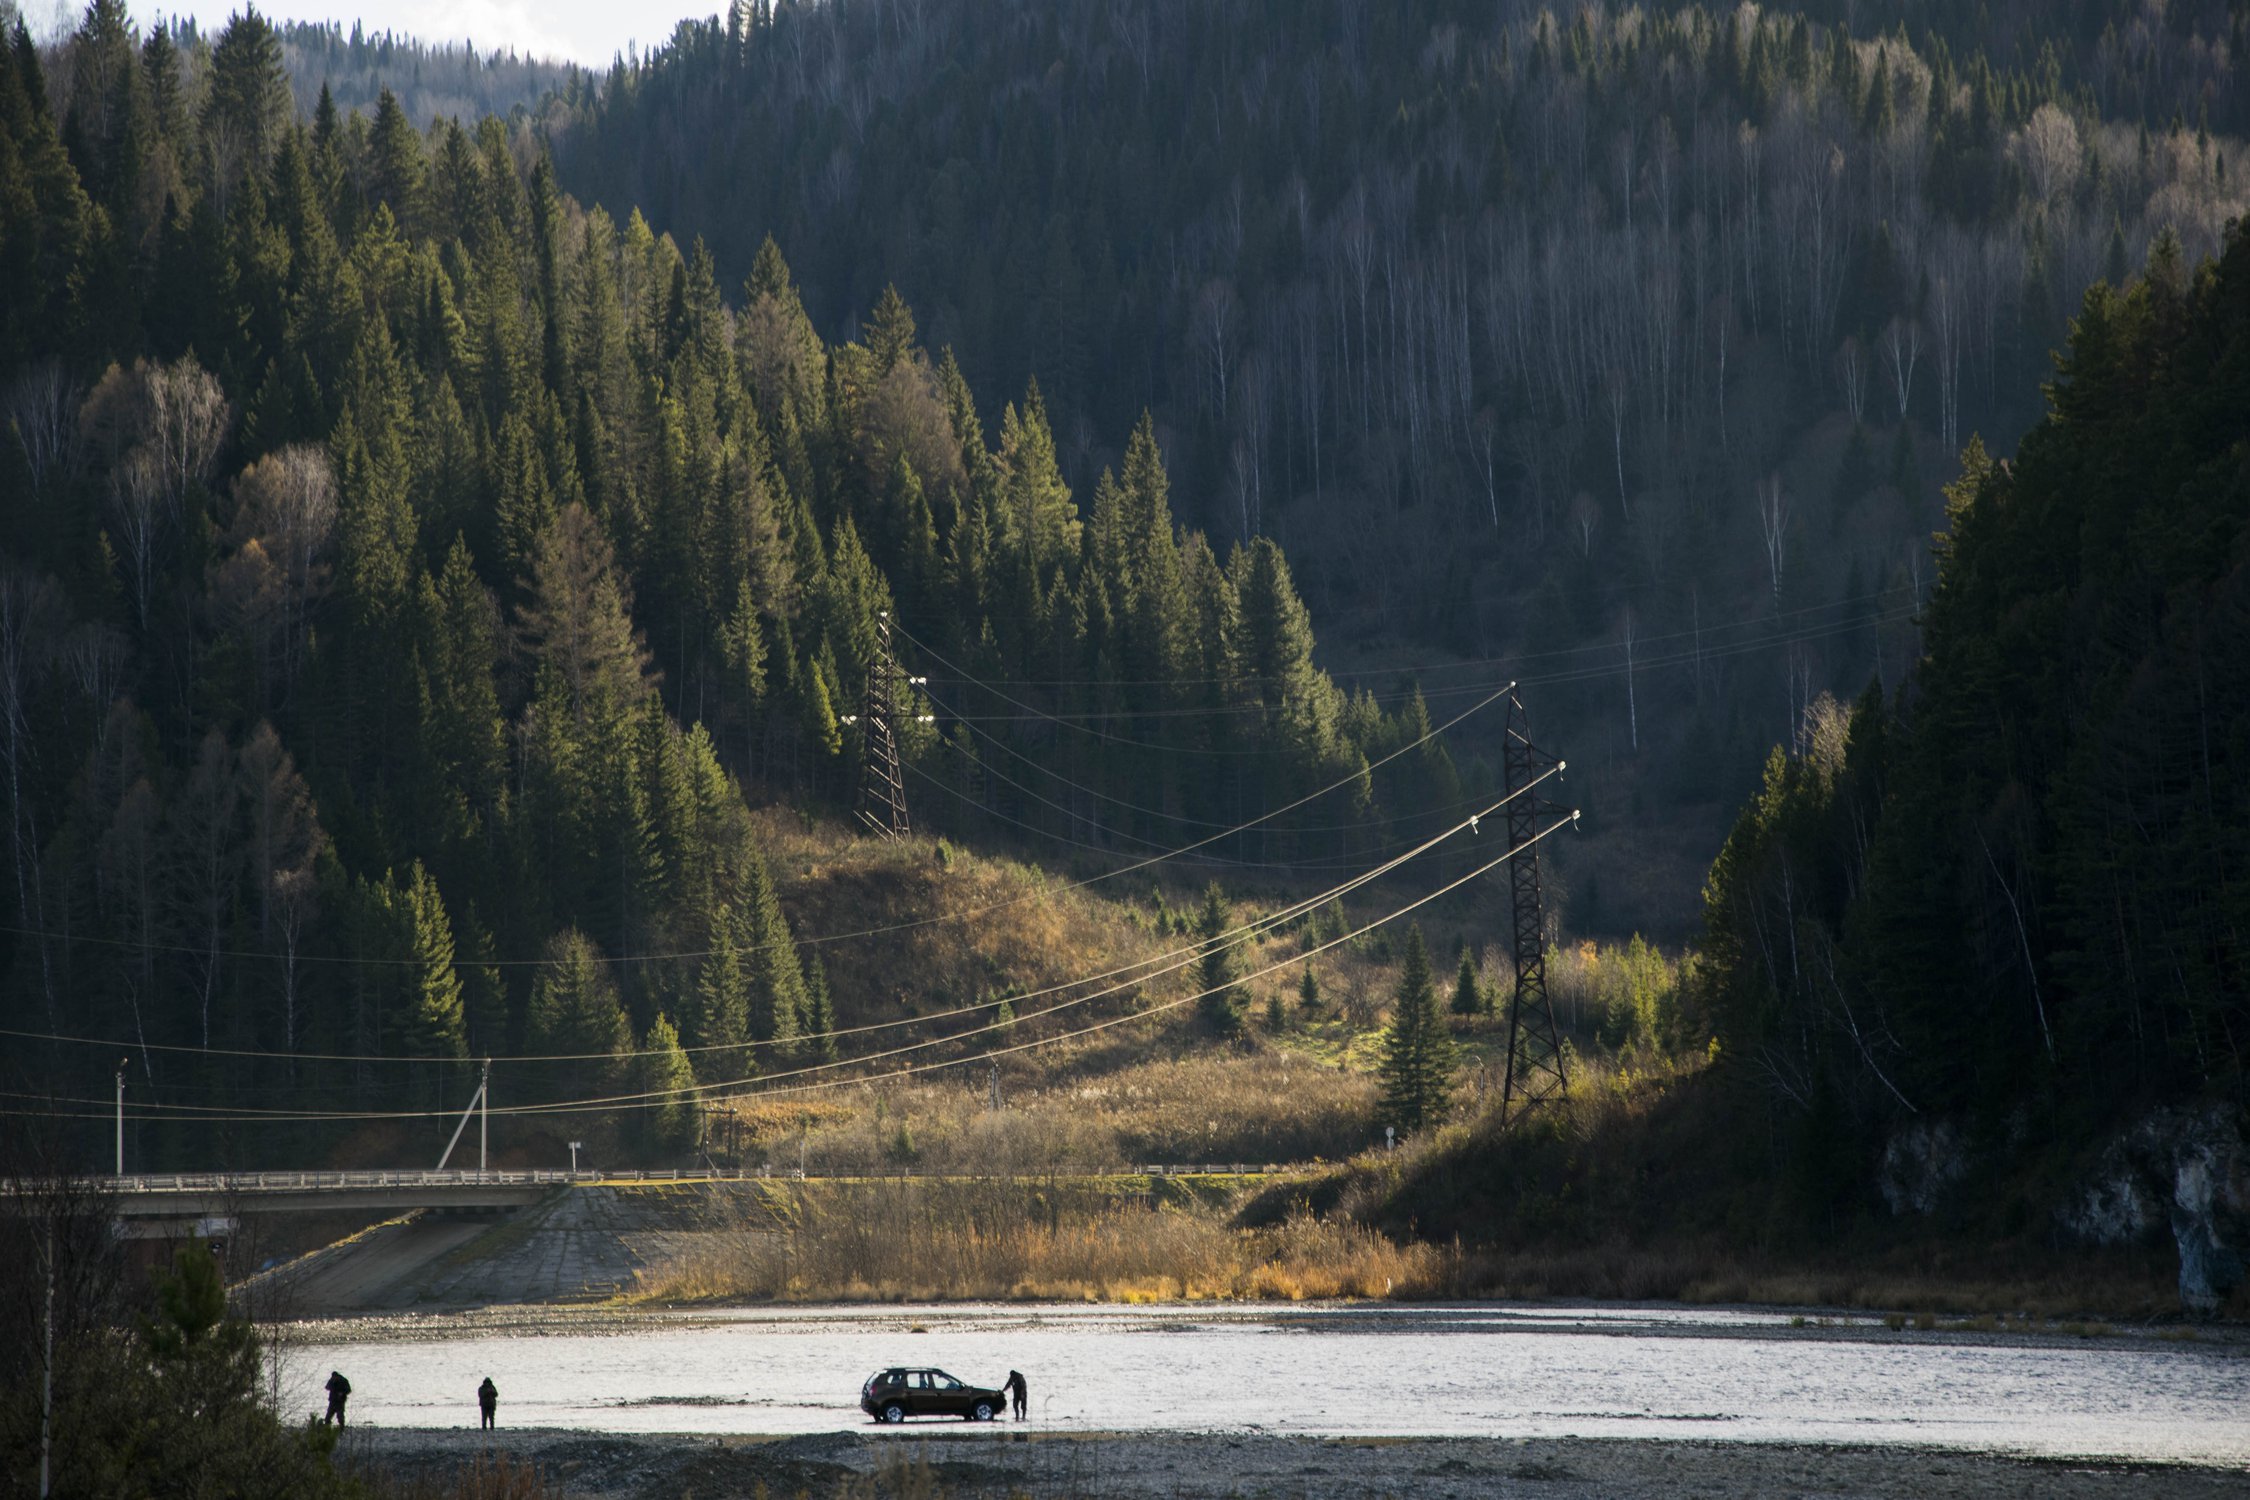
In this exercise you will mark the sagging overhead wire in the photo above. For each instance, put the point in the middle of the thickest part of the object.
(1287, 913)
(1064, 839)
(948, 714)
(1169, 1005)
(674, 1097)
(1235, 937)
(1514, 660)
(884, 930)
(1028, 713)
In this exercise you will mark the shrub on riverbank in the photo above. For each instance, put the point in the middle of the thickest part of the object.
(1642, 1187)
(917, 1239)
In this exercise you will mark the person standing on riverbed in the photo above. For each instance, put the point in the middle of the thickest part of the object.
(338, 1389)
(1018, 1392)
(488, 1398)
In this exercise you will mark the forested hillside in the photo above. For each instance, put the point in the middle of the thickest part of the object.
(406, 567)
(421, 583)
(1973, 958)
(2007, 898)
(1619, 350)
(432, 80)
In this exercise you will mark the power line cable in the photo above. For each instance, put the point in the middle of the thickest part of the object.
(1289, 912)
(884, 930)
(673, 1097)
(1030, 713)
(1193, 953)
(1420, 669)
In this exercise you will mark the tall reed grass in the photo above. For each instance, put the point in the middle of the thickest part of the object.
(933, 1239)
(1269, 1106)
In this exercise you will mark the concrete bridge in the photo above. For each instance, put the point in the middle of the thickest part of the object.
(162, 1203)
(198, 1194)
(170, 1205)
(193, 1194)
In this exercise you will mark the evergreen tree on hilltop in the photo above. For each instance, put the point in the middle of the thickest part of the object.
(1468, 995)
(1221, 1002)
(576, 1022)
(715, 1012)
(1418, 1054)
(819, 1044)
(670, 1114)
(435, 1028)
(247, 106)
(777, 1000)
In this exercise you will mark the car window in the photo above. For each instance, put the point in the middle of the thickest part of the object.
(944, 1381)
(920, 1380)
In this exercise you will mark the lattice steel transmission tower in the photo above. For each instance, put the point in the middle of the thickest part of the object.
(1535, 1075)
(882, 780)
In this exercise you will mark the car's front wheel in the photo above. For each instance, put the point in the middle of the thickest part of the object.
(983, 1413)
(894, 1413)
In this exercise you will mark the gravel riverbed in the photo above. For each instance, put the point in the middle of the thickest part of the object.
(924, 1463)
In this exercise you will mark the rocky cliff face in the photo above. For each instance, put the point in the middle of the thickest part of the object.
(1920, 1166)
(2186, 1170)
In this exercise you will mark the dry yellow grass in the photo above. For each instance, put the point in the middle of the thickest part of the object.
(927, 1239)
(1028, 931)
(948, 928)
(1223, 1106)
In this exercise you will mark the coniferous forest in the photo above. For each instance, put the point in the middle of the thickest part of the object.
(1622, 350)
(431, 546)
(409, 565)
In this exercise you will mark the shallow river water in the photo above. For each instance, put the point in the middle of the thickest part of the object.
(1506, 1371)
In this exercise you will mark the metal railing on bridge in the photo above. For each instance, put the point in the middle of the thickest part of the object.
(230, 1182)
(251, 1182)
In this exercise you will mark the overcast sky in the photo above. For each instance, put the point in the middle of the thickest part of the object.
(584, 31)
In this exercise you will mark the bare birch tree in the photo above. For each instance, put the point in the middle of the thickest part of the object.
(1773, 530)
(1902, 348)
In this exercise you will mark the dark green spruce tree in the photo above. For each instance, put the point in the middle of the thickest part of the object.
(1418, 1052)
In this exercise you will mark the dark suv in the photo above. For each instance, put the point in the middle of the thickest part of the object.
(897, 1394)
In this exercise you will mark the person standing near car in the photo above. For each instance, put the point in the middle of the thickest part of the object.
(488, 1398)
(338, 1389)
(1019, 1394)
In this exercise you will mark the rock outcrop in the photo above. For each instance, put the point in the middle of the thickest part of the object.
(1920, 1163)
(2183, 1169)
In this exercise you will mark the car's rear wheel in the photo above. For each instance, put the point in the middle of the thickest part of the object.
(983, 1413)
(894, 1413)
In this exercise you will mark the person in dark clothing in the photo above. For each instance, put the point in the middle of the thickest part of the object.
(488, 1397)
(338, 1389)
(1018, 1392)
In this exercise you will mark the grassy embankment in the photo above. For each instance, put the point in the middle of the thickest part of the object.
(1643, 1187)
(1035, 1199)
(1121, 1238)
(1158, 1088)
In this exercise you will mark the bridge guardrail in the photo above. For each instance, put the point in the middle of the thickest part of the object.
(255, 1182)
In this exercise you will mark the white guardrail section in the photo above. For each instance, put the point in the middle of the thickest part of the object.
(206, 1182)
